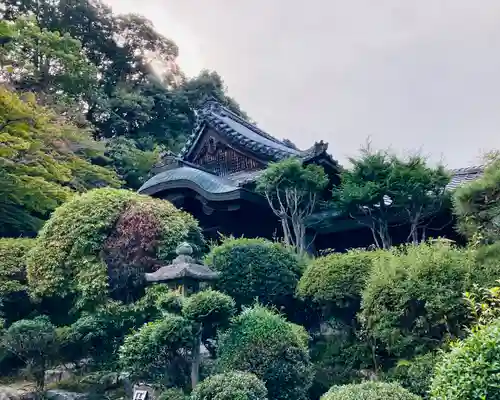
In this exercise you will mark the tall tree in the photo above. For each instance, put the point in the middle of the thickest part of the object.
(43, 159)
(292, 190)
(46, 62)
(141, 91)
(381, 189)
(418, 191)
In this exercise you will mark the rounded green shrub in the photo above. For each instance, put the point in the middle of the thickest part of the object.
(170, 302)
(413, 299)
(264, 343)
(340, 356)
(34, 341)
(230, 386)
(486, 265)
(14, 299)
(209, 307)
(99, 244)
(157, 349)
(416, 374)
(470, 370)
(336, 281)
(256, 269)
(369, 391)
(173, 394)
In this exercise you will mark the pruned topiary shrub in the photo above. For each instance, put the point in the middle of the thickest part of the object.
(173, 394)
(256, 269)
(211, 310)
(14, 299)
(413, 299)
(99, 244)
(264, 343)
(369, 391)
(157, 351)
(336, 282)
(415, 375)
(470, 370)
(230, 386)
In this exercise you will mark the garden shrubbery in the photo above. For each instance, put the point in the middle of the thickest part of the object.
(158, 350)
(231, 386)
(470, 371)
(416, 374)
(98, 244)
(15, 303)
(336, 282)
(369, 391)
(262, 342)
(253, 269)
(413, 299)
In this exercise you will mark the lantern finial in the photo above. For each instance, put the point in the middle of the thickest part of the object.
(184, 249)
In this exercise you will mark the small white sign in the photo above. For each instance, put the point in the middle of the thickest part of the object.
(140, 395)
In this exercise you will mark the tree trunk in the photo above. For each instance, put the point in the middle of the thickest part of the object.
(195, 363)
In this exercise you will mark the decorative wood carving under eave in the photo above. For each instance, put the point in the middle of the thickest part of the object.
(218, 157)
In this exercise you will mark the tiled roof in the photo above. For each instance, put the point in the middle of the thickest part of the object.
(240, 132)
(464, 175)
(201, 180)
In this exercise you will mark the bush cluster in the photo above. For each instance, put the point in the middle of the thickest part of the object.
(253, 269)
(156, 350)
(262, 342)
(369, 391)
(470, 370)
(413, 298)
(99, 244)
(14, 298)
(230, 386)
(416, 374)
(336, 282)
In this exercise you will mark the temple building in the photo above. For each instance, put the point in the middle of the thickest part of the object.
(213, 178)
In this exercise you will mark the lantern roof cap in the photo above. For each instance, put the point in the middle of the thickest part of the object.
(183, 266)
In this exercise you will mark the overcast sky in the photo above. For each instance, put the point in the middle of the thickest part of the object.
(410, 74)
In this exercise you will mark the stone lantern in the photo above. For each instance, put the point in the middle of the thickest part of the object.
(184, 272)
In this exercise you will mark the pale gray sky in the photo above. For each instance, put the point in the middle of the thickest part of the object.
(411, 74)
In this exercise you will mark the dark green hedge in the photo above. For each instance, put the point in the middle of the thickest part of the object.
(253, 269)
(231, 386)
(262, 342)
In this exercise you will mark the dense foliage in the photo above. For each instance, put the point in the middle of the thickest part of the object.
(91, 99)
(100, 243)
(173, 394)
(212, 310)
(78, 72)
(413, 299)
(230, 386)
(14, 299)
(470, 370)
(476, 205)
(381, 187)
(336, 282)
(369, 391)
(157, 350)
(43, 159)
(415, 375)
(35, 342)
(262, 342)
(256, 269)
